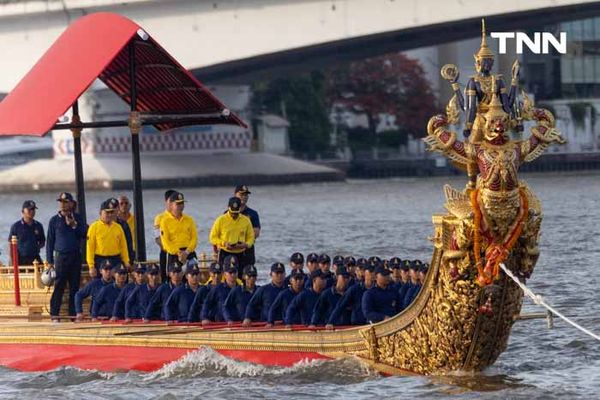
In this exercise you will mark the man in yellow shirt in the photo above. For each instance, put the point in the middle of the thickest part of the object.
(232, 234)
(156, 230)
(106, 241)
(178, 234)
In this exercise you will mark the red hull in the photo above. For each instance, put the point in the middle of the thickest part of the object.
(43, 357)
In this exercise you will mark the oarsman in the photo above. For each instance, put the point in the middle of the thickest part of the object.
(29, 233)
(156, 233)
(350, 264)
(105, 301)
(416, 284)
(178, 304)
(395, 265)
(406, 281)
(232, 234)
(330, 298)
(423, 272)
(303, 305)
(66, 230)
(285, 297)
(106, 241)
(137, 302)
(260, 303)
(236, 302)
(312, 263)
(155, 308)
(92, 289)
(337, 259)
(212, 309)
(242, 192)
(352, 299)
(216, 274)
(325, 263)
(296, 263)
(125, 214)
(381, 301)
(139, 278)
(178, 234)
(126, 229)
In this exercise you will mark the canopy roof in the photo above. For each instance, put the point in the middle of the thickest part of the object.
(96, 46)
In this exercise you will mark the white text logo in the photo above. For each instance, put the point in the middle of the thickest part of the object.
(540, 44)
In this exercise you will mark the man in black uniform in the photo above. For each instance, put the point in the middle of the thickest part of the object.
(29, 233)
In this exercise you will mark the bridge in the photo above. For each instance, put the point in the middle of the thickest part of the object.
(236, 41)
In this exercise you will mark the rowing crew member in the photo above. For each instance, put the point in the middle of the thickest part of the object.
(155, 308)
(178, 232)
(260, 303)
(381, 301)
(137, 302)
(302, 306)
(296, 264)
(139, 278)
(236, 302)
(105, 302)
(93, 288)
(179, 302)
(285, 297)
(29, 233)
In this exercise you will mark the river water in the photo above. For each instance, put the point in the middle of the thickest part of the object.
(376, 217)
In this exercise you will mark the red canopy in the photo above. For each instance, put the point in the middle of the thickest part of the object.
(96, 46)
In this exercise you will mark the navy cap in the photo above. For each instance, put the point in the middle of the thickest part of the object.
(317, 273)
(395, 263)
(174, 267)
(341, 270)
(177, 197)
(215, 268)
(234, 205)
(350, 261)
(297, 274)
(324, 258)
(374, 259)
(242, 189)
(108, 206)
(250, 270)
(230, 260)
(65, 196)
(139, 268)
(361, 263)
(106, 265)
(370, 266)
(312, 257)
(121, 270)
(382, 271)
(168, 193)
(418, 263)
(413, 265)
(338, 259)
(231, 268)
(297, 258)
(405, 265)
(424, 268)
(278, 267)
(192, 269)
(153, 269)
(29, 204)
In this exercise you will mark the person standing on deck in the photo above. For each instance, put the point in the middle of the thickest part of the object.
(125, 227)
(243, 193)
(232, 234)
(156, 230)
(29, 233)
(66, 230)
(178, 233)
(106, 241)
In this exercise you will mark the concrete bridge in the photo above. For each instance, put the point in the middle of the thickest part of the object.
(237, 40)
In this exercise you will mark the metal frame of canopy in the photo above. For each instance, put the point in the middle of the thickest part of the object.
(107, 46)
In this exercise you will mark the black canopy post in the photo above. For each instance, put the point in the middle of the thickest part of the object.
(135, 126)
(76, 130)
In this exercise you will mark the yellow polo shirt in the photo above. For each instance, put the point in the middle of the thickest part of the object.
(106, 240)
(178, 233)
(229, 230)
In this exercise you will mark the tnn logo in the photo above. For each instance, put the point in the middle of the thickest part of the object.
(539, 45)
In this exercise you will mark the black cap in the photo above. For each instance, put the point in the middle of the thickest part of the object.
(29, 204)
(176, 197)
(108, 206)
(215, 268)
(424, 268)
(278, 267)
(234, 205)
(242, 189)
(317, 273)
(324, 258)
(192, 269)
(106, 265)
(153, 269)
(338, 259)
(341, 270)
(350, 261)
(312, 257)
(121, 270)
(230, 260)
(370, 266)
(361, 263)
(413, 265)
(297, 274)
(395, 263)
(374, 259)
(405, 265)
(297, 258)
(250, 270)
(139, 268)
(168, 193)
(418, 263)
(231, 268)
(174, 267)
(382, 271)
(65, 196)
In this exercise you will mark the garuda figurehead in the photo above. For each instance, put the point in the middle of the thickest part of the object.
(496, 122)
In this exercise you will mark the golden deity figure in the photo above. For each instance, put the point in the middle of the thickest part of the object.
(502, 209)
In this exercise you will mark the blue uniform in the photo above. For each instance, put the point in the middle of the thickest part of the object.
(198, 302)
(119, 310)
(155, 308)
(62, 238)
(31, 239)
(128, 238)
(212, 309)
(91, 289)
(327, 302)
(258, 307)
(378, 303)
(178, 304)
(137, 302)
(351, 300)
(403, 290)
(286, 282)
(410, 295)
(236, 302)
(280, 305)
(253, 215)
(105, 301)
(302, 306)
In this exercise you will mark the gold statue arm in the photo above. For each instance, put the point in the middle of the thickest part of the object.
(442, 140)
(543, 134)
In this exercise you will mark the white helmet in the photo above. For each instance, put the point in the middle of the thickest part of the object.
(48, 276)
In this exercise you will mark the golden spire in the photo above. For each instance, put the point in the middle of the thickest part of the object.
(484, 50)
